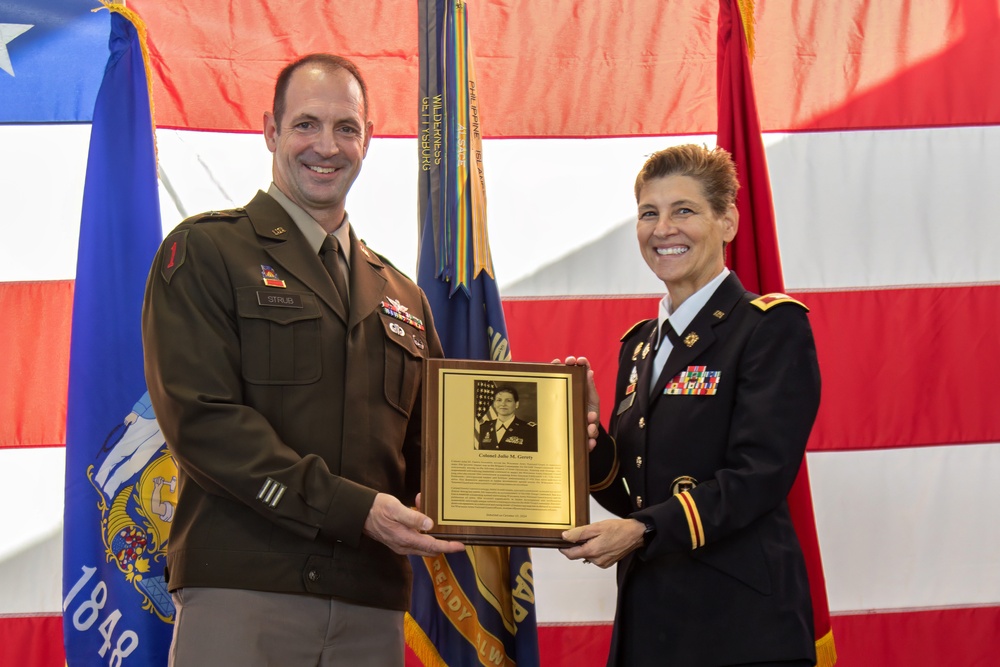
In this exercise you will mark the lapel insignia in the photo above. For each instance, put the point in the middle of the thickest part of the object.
(695, 381)
(691, 339)
(393, 308)
(278, 231)
(719, 314)
(271, 278)
(364, 249)
(635, 353)
(645, 351)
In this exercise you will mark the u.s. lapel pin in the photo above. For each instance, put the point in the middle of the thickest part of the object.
(278, 231)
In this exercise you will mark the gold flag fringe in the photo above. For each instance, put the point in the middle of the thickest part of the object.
(747, 13)
(420, 643)
(140, 28)
(826, 651)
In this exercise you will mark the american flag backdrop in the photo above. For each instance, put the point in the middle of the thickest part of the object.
(881, 126)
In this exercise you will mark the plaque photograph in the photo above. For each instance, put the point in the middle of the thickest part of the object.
(504, 451)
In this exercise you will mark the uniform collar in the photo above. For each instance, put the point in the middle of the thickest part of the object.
(681, 318)
(311, 229)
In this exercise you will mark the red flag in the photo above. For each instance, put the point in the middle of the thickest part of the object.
(754, 256)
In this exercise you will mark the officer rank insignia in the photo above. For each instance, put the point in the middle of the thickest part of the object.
(393, 308)
(694, 381)
(271, 278)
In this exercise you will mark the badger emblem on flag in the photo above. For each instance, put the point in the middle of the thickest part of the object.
(135, 478)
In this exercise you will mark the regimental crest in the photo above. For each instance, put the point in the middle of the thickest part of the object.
(270, 276)
(135, 480)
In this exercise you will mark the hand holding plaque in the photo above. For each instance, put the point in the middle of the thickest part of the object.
(505, 451)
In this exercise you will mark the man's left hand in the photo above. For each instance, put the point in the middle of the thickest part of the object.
(402, 529)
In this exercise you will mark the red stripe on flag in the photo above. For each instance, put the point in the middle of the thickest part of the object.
(892, 376)
(32, 641)
(35, 366)
(593, 69)
(966, 636)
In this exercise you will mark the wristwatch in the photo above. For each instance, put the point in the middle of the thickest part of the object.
(649, 533)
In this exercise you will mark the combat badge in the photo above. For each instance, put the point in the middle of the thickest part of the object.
(633, 378)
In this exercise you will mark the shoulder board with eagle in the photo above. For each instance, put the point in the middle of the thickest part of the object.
(632, 329)
(768, 301)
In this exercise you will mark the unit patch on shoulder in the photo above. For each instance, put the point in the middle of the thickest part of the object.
(174, 252)
(773, 299)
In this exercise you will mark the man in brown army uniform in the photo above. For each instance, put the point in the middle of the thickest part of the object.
(283, 358)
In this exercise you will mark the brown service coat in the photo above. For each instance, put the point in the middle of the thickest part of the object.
(285, 413)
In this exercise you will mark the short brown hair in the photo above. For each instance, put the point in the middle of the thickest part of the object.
(326, 61)
(714, 169)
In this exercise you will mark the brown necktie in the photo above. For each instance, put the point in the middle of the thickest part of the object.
(332, 260)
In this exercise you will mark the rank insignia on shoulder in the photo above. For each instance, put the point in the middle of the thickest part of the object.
(694, 381)
(174, 253)
(773, 299)
(631, 329)
(271, 278)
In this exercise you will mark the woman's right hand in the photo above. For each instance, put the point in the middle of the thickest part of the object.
(593, 400)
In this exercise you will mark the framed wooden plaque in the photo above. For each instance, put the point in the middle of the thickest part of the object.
(504, 451)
